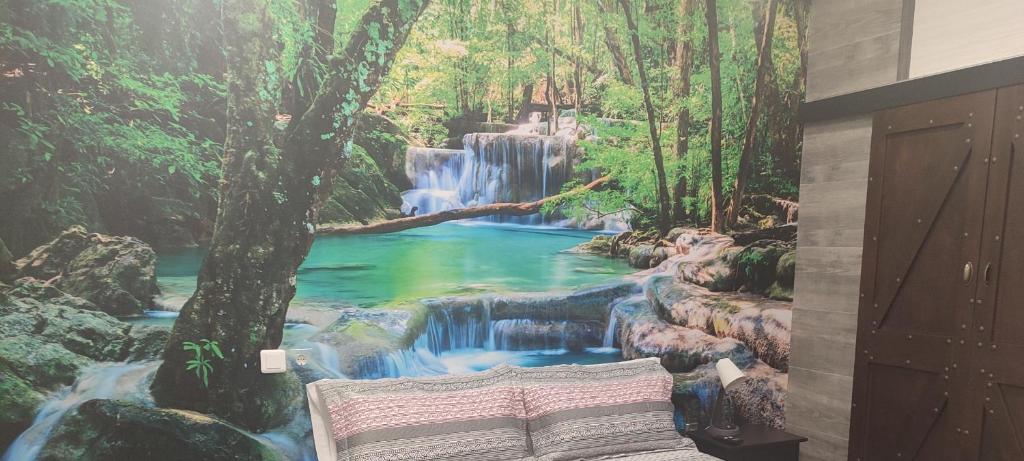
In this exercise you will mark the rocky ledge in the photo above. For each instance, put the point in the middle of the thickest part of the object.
(116, 274)
(763, 264)
(48, 335)
(109, 429)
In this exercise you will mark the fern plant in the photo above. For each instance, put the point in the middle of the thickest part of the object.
(201, 364)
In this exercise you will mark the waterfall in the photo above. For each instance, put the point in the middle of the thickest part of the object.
(493, 167)
(328, 357)
(98, 382)
(611, 331)
(457, 328)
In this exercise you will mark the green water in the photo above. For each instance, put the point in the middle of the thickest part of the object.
(447, 259)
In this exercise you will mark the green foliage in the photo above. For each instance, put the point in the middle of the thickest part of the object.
(623, 101)
(114, 101)
(201, 364)
(94, 108)
(621, 150)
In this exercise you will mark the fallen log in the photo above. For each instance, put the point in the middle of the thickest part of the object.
(432, 219)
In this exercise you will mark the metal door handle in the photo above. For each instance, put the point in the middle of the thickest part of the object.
(968, 272)
(988, 273)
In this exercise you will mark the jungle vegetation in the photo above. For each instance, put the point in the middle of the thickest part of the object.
(112, 112)
(231, 120)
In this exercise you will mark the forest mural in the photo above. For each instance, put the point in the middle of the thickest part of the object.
(384, 188)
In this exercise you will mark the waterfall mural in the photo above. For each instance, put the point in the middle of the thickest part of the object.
(488, 186)
(512, 167)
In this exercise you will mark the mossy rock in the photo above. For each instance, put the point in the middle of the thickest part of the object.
(117, 274)
(91, 334)
(109, 429)
(42, 365)
(147, 342)
(599, 245)
(360, 193)
(785, 274)
(640, 256)
(385, 142)
(19, 403)
(756, 264)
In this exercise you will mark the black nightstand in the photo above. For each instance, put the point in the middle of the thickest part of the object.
(760, 443)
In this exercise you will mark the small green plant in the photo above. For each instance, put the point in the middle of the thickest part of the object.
(201, 364)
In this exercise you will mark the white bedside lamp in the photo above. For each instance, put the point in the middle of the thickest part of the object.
(722, 422)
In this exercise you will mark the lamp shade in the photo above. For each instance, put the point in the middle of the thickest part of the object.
(729, 373)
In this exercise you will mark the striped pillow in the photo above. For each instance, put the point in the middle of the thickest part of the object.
(577, 411)
(476, 416)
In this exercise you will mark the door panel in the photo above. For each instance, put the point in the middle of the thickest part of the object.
(998, 370)
(926, 195)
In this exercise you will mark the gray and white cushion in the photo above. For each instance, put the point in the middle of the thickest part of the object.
(477, 416)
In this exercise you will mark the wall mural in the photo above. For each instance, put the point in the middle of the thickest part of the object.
(383, 188)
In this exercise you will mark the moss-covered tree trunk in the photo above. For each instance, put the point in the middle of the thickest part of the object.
(268, 202)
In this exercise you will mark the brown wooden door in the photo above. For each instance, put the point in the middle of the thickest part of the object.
(926, 195)
(997, 375)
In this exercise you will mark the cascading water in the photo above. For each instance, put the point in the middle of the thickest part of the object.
(612, 330)
(99, 382)
(517, 166)
(460, 339)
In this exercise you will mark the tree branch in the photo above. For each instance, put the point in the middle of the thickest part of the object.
(507, 209)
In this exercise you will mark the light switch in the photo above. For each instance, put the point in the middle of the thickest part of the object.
(273, 361)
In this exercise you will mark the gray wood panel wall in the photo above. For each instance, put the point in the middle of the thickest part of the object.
(854, 45)
(828, 260)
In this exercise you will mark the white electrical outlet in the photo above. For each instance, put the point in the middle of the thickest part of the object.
(273, 361)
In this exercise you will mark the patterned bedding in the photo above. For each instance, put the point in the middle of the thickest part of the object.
(614, 412)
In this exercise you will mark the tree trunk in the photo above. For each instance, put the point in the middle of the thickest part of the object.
(268, 206)
(510, 30)
(664, 221)
(321, 15)
(750, 135)
(684, 61)
(711, 15)
(552, 93)
(432, 219)
(527, 100)
(786, 119)
(612, 42)
(577, 40)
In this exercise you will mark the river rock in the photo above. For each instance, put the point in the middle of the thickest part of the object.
(28, 287)
(19, 403)
(760, 400)
(100, 430)
(762, 325)
(640, 256)
(118, 274)
(706, 259)
(756, 264)
(525, 334)
(599, 245)
(41, 364)
(641, 333)
(147, 342)
(91, 334)
(582, 305)
(363, 339)
(785, 275)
